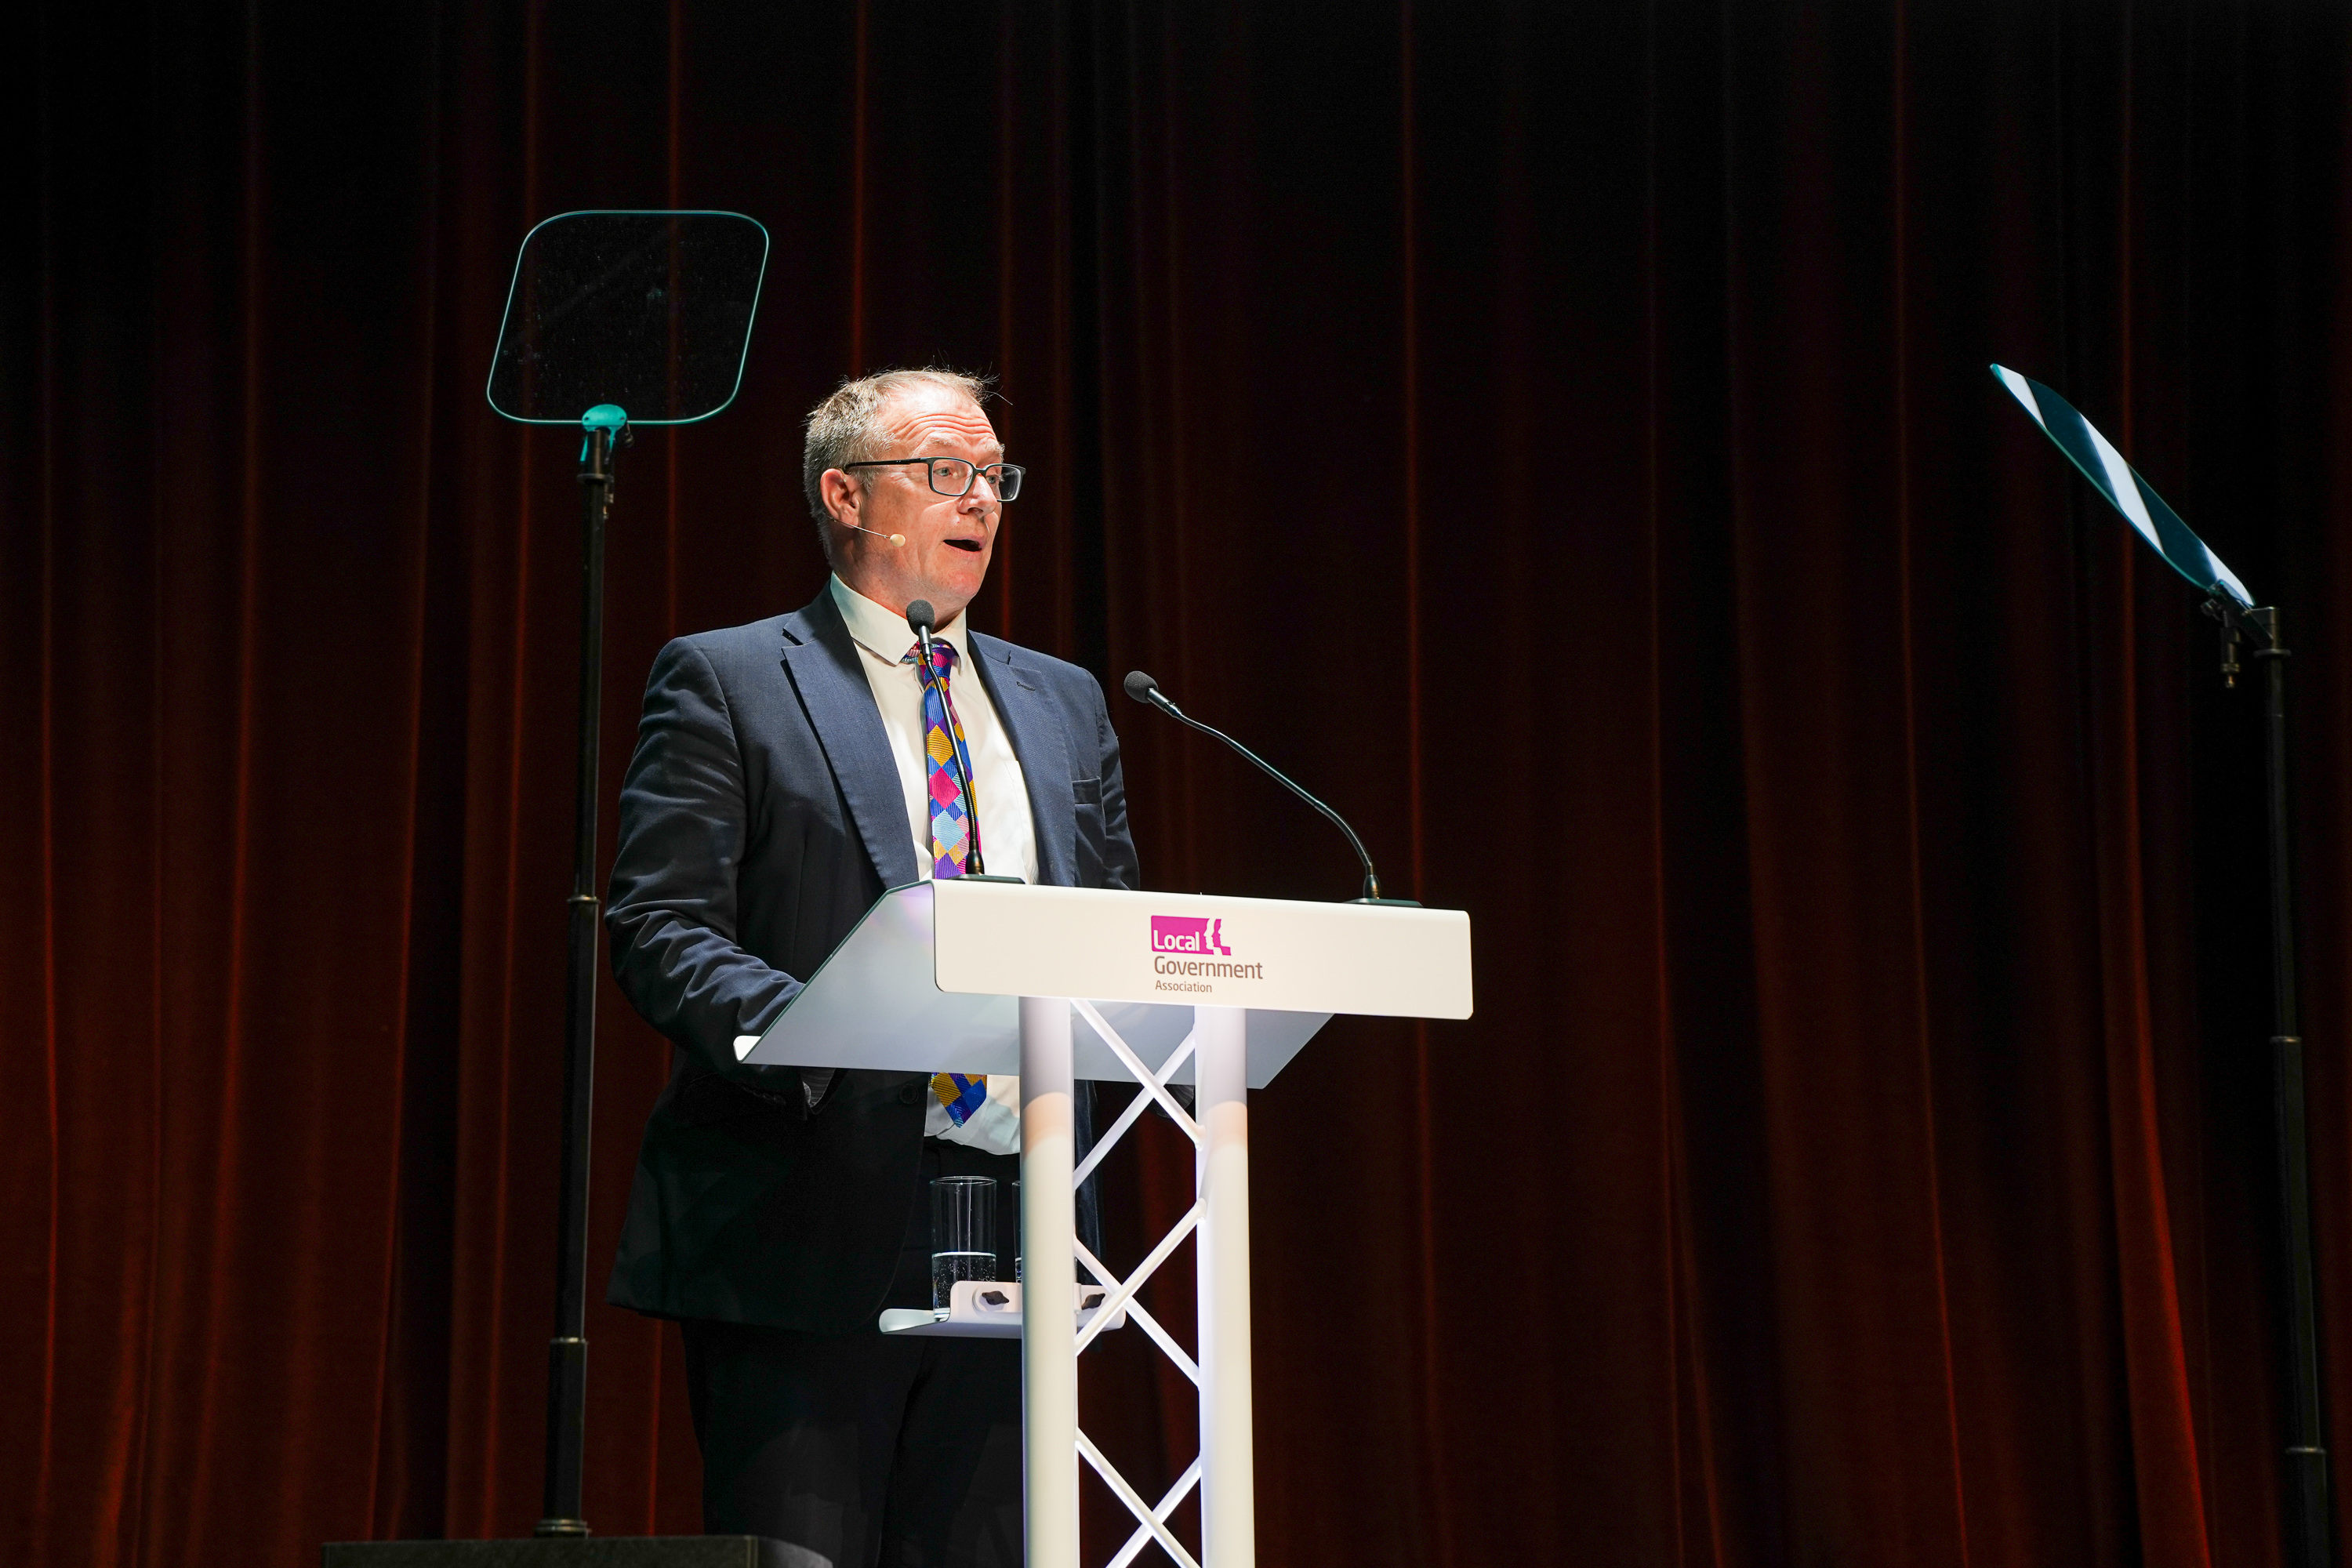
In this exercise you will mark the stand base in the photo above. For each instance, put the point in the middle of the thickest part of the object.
(578, 1552)
(984, 1310)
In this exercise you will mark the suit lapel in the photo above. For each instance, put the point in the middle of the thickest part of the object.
(839, 702)
(1043, 743)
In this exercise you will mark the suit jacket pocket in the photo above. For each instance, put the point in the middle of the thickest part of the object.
(709, 1100)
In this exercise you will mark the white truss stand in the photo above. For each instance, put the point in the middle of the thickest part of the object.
(1063, 984)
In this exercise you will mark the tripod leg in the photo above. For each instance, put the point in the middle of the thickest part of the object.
(2311, 1539)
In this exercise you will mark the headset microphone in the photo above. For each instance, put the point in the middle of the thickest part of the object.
(896, 539)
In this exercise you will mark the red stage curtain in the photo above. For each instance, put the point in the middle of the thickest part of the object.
(1561, 433)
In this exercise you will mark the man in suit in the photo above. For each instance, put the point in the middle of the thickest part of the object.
(787, 773)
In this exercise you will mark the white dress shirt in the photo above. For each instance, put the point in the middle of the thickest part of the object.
(1008, 835)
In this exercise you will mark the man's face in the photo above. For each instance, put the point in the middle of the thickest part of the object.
(948, 538)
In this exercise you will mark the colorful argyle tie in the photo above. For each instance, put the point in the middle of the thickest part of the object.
(961, 1095)
(953, 832)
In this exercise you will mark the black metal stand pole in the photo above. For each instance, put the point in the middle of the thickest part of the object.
(567, 1353)
(2310, 1537)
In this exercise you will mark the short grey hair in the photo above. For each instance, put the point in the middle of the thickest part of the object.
(846, 428)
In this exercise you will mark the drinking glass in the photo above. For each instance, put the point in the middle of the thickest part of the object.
(963, 1233)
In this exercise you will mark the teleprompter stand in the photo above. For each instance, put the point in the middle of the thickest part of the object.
(613, 319)
(2309, 1537)
(2306, 1453)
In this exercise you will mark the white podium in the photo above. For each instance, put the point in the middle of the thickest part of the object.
(1059, 983)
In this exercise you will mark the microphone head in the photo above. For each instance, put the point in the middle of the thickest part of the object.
(1140, 686)
(898, 540)
(919, 619)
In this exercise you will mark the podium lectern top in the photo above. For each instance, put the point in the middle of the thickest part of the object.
(929, 981)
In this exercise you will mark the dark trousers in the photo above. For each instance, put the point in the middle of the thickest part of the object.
(872, 1452)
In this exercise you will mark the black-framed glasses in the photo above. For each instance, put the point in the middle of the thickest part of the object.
(953, 476)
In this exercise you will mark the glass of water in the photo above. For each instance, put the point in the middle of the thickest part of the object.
(963, 1233)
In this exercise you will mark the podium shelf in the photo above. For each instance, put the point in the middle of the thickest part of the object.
(984, 1309)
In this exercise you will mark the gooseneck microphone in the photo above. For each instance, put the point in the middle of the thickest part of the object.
(920, 620)
(1146, 690)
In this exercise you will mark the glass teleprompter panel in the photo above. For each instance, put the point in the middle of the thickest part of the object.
(650, 312)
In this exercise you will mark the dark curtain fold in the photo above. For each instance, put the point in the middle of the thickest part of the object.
(1561, 433)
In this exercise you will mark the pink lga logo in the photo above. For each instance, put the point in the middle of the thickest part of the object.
(1187, 934)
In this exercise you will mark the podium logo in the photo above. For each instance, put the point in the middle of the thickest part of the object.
(1184, 934)
(1188, 952)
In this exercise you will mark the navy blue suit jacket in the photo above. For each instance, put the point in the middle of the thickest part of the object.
(761, 818)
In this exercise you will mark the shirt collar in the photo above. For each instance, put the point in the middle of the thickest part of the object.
(884, 635)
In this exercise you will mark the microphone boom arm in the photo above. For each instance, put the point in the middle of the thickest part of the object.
(1151, 694)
